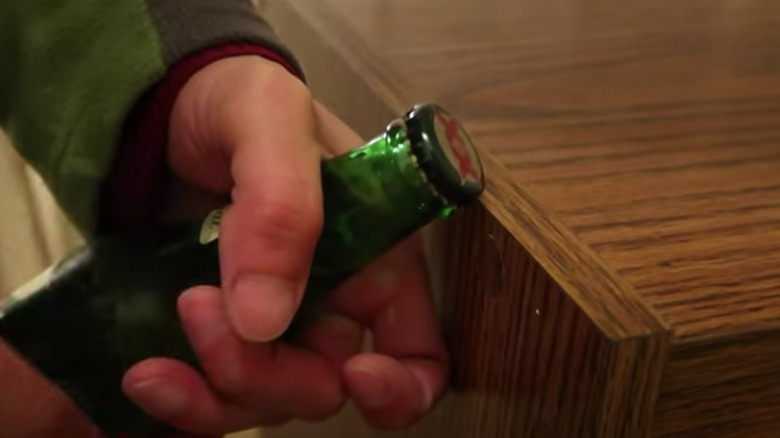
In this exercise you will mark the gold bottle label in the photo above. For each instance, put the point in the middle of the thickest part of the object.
(209, 231)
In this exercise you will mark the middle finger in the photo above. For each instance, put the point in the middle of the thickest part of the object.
(295, 380)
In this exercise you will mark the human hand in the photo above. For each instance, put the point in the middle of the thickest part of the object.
(245, 129)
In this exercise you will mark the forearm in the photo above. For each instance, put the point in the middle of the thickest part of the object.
(31, 406)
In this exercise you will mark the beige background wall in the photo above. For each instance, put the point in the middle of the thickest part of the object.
(33, 231)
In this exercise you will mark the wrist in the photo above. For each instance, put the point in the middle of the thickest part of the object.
(130, 195)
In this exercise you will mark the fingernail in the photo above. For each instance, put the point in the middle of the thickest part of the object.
(425, 386)
(262, 306)
(158, 398)
(369, 387)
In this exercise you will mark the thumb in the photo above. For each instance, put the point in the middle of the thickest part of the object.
(265, 123)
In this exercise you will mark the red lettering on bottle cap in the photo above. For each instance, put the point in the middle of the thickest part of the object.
(457, 144)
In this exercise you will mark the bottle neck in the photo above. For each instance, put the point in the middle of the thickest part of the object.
(374, 196)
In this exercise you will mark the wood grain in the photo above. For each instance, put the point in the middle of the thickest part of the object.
(587, 118)
(724, 388)
(633, 152)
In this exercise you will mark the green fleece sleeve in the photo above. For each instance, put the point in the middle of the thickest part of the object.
(72, 71)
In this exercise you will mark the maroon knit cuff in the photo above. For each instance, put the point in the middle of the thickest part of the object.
(131, 194)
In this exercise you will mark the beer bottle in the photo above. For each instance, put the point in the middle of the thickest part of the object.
(86, 320)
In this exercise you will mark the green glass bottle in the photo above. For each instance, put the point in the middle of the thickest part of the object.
(84, 321)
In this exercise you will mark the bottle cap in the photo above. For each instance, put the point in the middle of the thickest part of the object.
(445, 153)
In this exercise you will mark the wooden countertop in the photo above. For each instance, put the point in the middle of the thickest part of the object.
(632, 149)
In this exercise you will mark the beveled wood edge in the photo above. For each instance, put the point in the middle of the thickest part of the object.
(617, 309)
(637, 369)
(640, 340)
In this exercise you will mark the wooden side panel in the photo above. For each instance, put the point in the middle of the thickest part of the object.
(528, 362)
(722, 389)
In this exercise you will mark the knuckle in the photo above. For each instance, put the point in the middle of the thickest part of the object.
(324, 402)
(227, 386)
(230, 384)
(279, 85)
(291, 218)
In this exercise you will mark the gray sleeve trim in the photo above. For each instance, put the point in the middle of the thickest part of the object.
(187, 26)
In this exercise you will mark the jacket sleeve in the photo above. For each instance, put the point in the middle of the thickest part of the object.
(86, 87)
